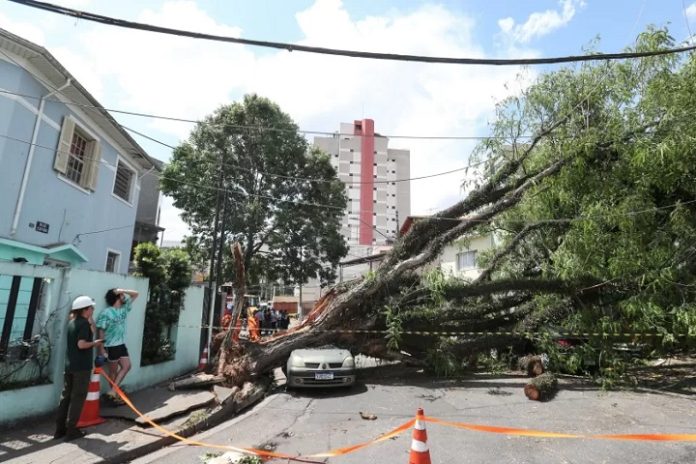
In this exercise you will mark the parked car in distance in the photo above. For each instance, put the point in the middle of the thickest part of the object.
(327, 366)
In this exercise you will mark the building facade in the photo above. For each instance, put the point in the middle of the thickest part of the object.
(379, 194)
(461, 257)
(71, 175)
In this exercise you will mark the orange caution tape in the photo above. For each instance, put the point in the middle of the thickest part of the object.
(501, 430)
(349, 449)
(543, 434)
(649, 437)
(399, 430)
(270, 454)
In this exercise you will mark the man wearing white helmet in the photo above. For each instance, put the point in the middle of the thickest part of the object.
(78, 368)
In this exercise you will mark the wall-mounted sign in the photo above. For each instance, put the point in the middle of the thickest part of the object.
(41, 227)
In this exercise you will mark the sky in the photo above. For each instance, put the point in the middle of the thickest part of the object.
(186, 78)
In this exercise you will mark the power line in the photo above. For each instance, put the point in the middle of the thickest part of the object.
(247, 126)
(110, 21)
(357, 213)
(77, 240)
(310, 179)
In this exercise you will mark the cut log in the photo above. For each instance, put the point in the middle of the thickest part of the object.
(196, 381)
(532, 365)
(541, 388)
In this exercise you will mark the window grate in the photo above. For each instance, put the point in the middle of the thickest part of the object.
(76, 158)
(112, 262)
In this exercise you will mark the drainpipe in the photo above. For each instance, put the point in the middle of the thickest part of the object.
(30, 158)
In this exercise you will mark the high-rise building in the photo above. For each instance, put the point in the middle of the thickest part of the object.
(379, 196)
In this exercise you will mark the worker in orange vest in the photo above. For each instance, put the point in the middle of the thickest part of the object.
(252, 325)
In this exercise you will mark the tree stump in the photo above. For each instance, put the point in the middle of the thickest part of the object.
(541, 388)
(532, 365)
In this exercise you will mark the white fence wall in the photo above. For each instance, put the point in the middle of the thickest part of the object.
(67, 284)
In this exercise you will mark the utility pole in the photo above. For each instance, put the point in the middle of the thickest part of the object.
(221, 244)
(211, 280)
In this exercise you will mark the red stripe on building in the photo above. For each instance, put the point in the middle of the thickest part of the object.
(366, 129)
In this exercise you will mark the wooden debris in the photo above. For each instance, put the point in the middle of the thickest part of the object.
(541, 388)
(532, 365)
(196, 381)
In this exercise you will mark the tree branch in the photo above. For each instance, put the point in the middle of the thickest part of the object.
(526, 230)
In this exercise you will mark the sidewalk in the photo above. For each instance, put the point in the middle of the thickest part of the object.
(122, 437)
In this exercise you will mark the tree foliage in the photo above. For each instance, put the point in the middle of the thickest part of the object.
(250, 157)
(169, 274)
(590, 186)
(606, 245)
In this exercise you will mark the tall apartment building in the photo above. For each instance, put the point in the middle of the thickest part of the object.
(379, 198)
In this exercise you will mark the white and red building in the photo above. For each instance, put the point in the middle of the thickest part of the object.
(378, 188)
(377, 185)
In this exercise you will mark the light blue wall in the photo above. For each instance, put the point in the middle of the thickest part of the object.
(67, 209)
(32, 401)
(187, 337)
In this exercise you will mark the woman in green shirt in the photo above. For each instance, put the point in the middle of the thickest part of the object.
(112, 327)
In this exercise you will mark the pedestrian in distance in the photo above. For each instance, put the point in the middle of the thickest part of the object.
(284, 319)
(78, 367)
(112, 328)
(252, 325)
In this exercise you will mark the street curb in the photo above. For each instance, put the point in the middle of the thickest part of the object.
(223, 412)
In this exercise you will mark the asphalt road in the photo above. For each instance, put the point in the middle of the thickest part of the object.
(308, 421)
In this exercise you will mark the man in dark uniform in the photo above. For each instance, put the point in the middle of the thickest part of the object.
(78, 368)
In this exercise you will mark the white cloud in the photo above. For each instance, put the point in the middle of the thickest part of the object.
(26, 30)
(691, 12)
(189, 78)
(539, 24)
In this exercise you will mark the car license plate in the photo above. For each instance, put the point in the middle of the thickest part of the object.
(323, 376)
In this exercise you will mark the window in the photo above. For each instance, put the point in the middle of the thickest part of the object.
(466, 260)
(123, 182)
(78, 155)
(112, 261)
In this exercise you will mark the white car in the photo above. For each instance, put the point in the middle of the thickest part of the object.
(327, 366)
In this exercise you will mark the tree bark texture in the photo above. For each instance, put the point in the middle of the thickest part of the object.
(531, 365)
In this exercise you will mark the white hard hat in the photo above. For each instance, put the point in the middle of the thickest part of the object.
(82, 302)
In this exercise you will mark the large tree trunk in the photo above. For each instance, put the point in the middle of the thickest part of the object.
(358, 305)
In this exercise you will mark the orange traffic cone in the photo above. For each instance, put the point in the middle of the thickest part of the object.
(420, 454)
(203, 363)
(90, 410)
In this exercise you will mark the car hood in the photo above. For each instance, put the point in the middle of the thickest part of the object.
(325, 355)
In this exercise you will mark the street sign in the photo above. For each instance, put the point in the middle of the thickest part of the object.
(41, 227)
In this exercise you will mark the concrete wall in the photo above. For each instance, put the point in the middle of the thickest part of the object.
(64, 286)
(68, 209)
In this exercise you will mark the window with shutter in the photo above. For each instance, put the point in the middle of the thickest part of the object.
(123, 182)
(78, 155)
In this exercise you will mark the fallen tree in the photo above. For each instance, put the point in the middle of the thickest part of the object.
(592, 238)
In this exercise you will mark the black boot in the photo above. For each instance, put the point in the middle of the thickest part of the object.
(74, 434)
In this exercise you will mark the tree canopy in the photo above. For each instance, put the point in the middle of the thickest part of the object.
(249, 157)
(590, 186)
